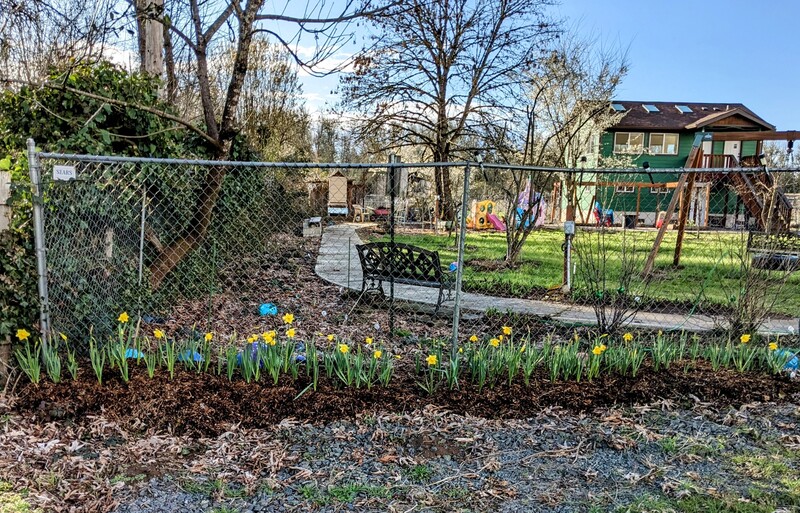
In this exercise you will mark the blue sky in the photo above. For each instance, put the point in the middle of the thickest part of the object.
(736, 51)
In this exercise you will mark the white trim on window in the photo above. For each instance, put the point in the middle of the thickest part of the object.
(628, 142)
(624, 189)
(663, 144)
(659, 190)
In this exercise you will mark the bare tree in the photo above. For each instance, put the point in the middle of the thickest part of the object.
(443, 71)
(271, 112)
(569, 103)
(37, 35)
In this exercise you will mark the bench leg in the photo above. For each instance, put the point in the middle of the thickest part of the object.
(438, 302)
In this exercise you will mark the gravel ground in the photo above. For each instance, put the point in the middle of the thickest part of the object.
(640, 459)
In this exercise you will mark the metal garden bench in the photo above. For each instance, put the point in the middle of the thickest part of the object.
(407, 265)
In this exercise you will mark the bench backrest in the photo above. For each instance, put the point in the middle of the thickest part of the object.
(408, 262)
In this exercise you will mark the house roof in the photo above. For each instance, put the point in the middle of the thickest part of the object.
(670, 117)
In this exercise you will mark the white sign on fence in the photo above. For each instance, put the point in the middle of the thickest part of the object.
(64, 173)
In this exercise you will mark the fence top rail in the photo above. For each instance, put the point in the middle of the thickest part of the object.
(108, 159)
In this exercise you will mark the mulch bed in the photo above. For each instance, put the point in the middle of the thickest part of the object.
(207, 405)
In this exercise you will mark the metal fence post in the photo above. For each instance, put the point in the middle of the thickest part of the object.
(393, 159)
(462, 233)
(39, 241)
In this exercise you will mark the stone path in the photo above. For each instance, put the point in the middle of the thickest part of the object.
(338, 263)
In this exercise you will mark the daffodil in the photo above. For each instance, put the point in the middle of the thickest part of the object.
(291, 332)
(744, 339)
(368, 340)
(432, 360)
(500, 338)
(597, 350)
(506, 330)
(473, 338)
(288, 318)
(331, 337)
(123, 317)
(252, 338)
(269, 337)
(494, 342)
(209, 337)
(522, 349)
(63, 337)
(773, 346)
(23, 334)
(460, 349)
(397, 357)
(158, 334)
(377, 354)
(627, 337)
(344, 348)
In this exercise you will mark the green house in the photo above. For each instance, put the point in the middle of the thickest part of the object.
(659, 135)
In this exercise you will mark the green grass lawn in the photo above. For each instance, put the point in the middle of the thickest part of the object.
(707, 273)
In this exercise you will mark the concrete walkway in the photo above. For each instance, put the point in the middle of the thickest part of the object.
(338, 264)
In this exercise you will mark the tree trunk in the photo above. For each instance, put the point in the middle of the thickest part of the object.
(169, 61)
(197, 229)
(224, 132)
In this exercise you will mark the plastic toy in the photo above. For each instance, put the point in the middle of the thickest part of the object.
(267, 309)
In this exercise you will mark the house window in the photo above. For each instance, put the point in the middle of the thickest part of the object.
(628, 142)
(624, 189)
(659, 190)
(664, 144)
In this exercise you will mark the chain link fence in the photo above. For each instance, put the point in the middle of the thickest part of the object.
(362, 250)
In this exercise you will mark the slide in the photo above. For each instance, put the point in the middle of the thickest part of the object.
(496, 223)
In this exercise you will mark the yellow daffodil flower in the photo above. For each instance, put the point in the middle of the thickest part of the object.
(158, 334)
(288, 318)
(597, 350)
(291, 332)
(744, 339)
(344, 348)
(773, 346)
(473, 338)
(331, 337)
(23, 334)
(494, 342)
(432, 360)
(627, 337)
(63, 337)
(368, 340)
(377, 354)
(123, 317)
(209, 337)
(506, 330)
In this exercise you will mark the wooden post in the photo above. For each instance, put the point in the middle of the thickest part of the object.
(151, 35)
(5, 193)
(638, 205)
(651, 258)
(682, 217)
